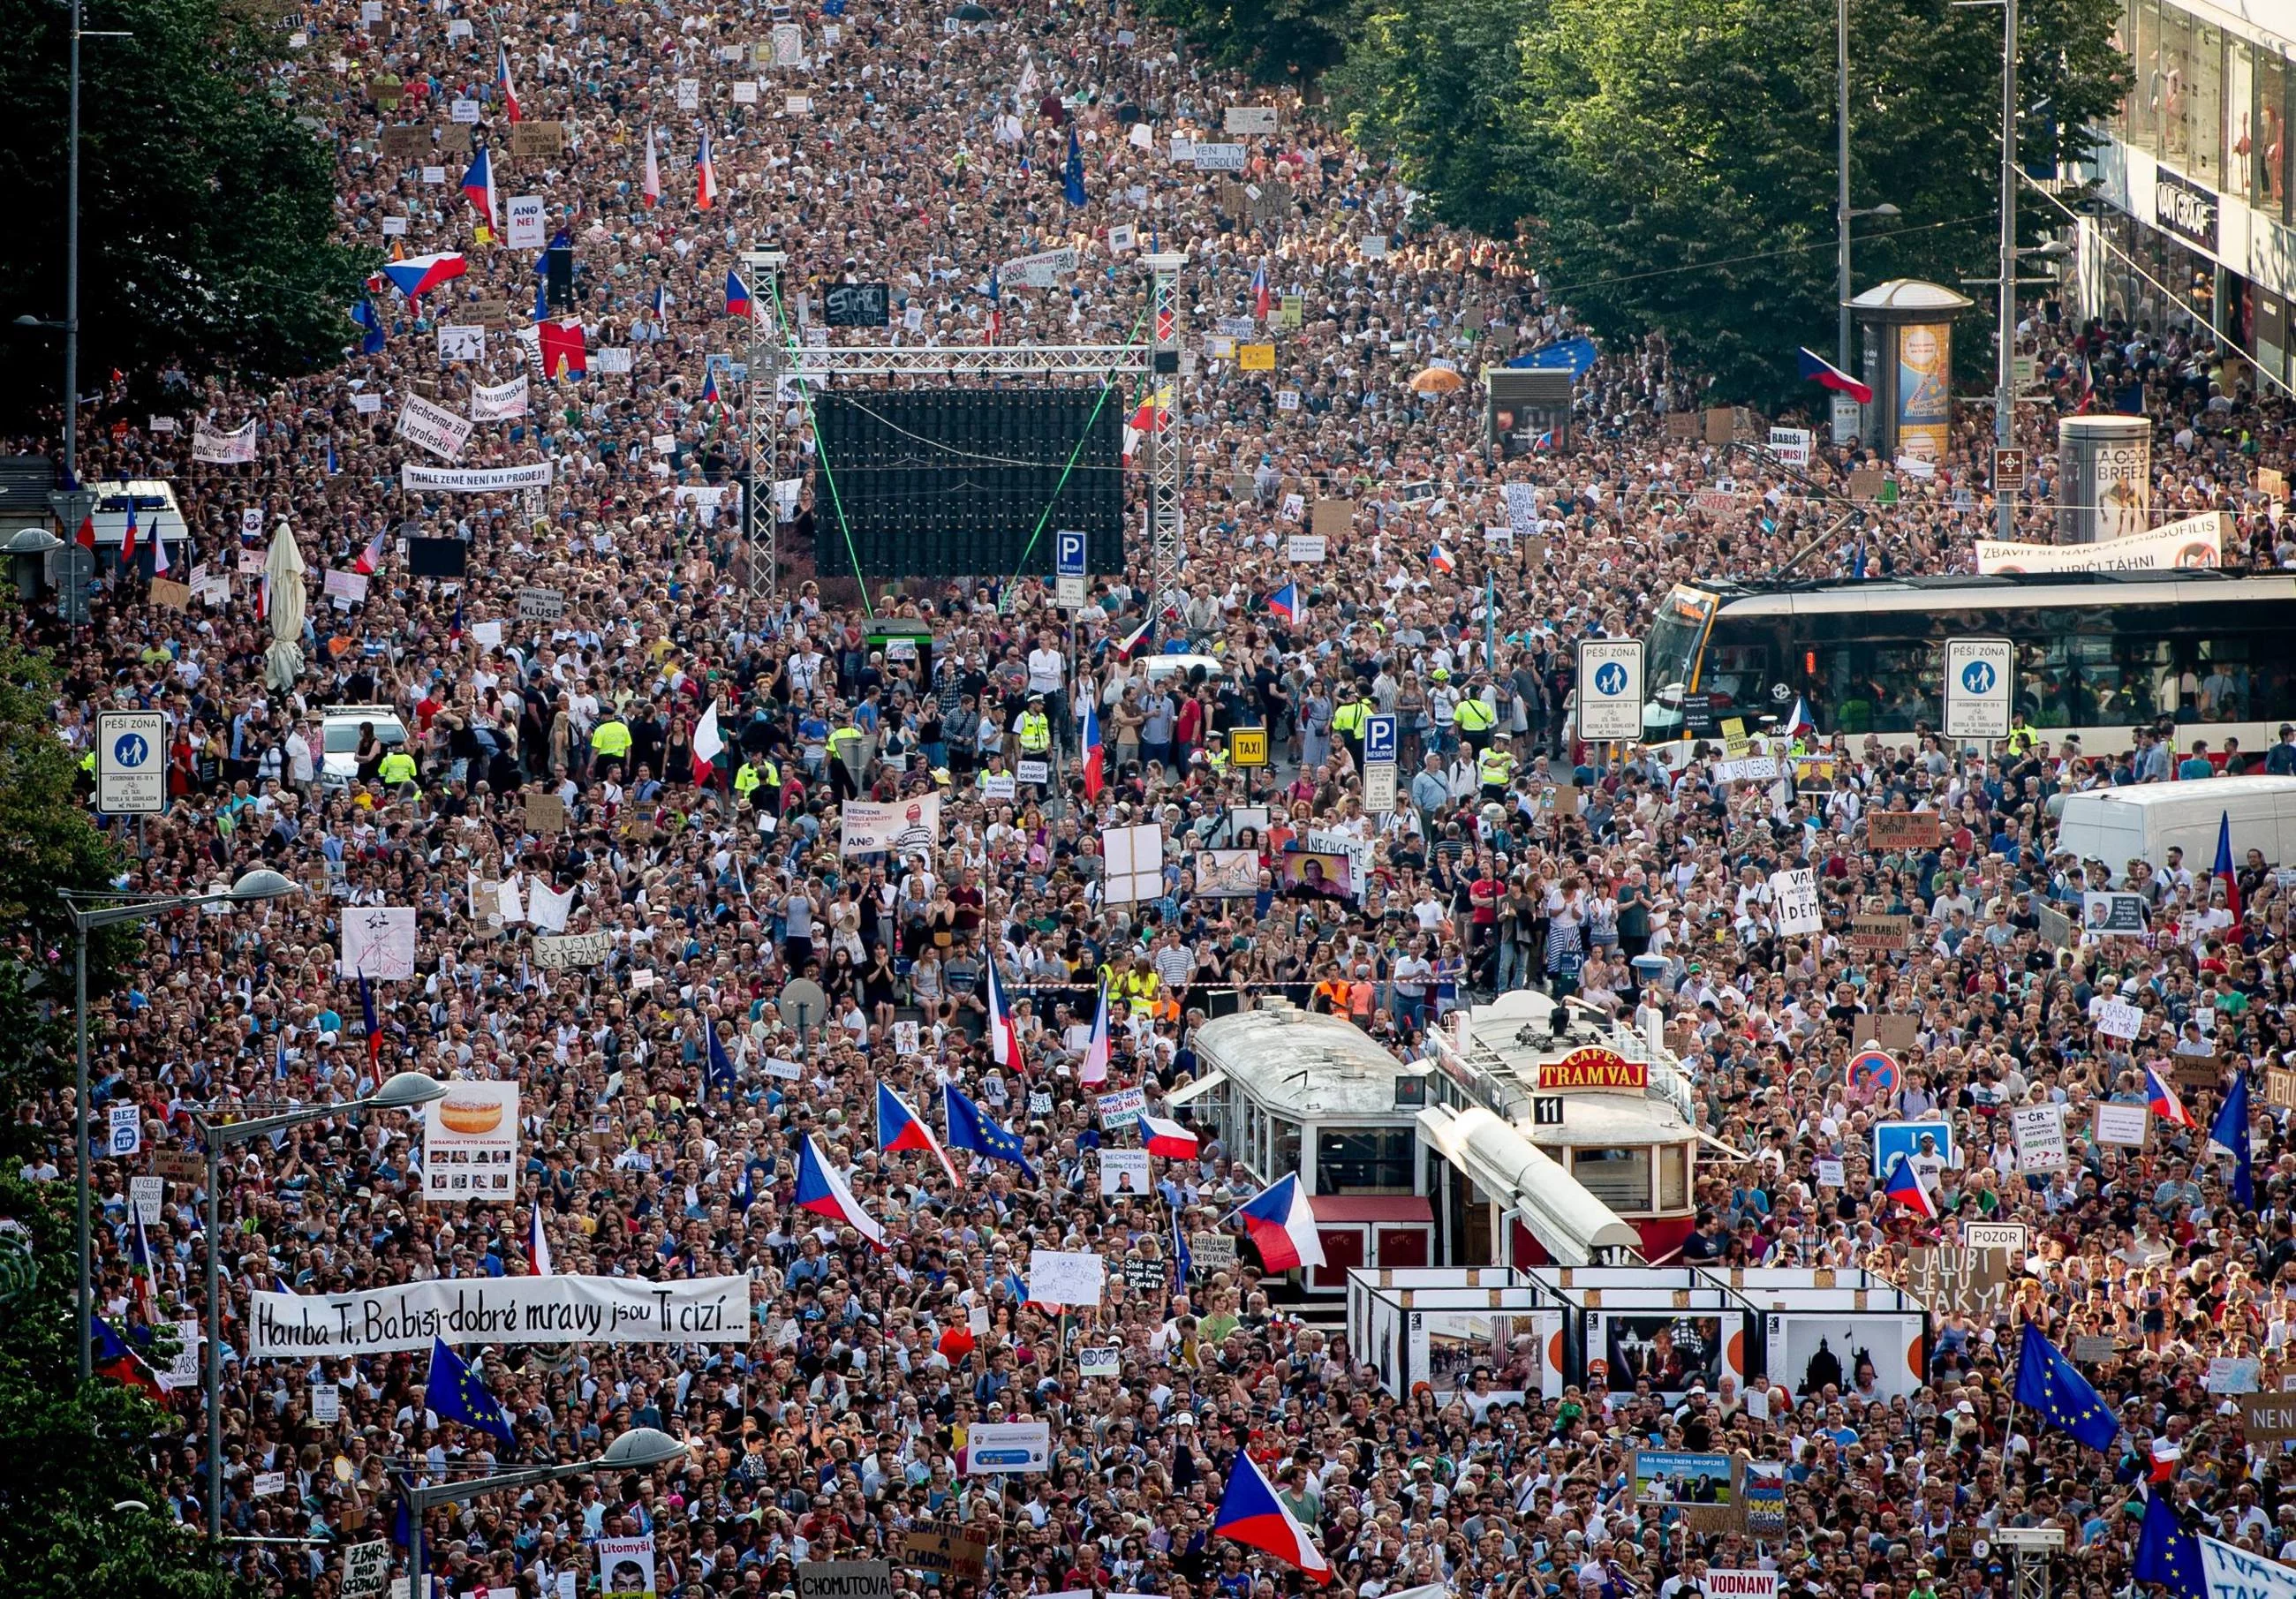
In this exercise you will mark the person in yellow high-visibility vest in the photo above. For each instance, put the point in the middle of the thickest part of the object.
(1035, 730)
(1475, 719)
(610, 741)
(845, 762)
(397, 769)
(1348, 721)
(746, 783)
(1495, 767)
(1139, 987)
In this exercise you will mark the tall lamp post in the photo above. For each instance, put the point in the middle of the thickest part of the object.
(633, 1451)
(89, 910)
(406, 1091)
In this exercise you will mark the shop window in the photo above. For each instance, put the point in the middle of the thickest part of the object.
(2268, 162)
(2239, 116)
(2204, 119)
(2172, 87)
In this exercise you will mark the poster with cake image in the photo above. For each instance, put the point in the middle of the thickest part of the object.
(470, 1143)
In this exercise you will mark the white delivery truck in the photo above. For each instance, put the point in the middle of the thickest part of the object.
(2117, 826)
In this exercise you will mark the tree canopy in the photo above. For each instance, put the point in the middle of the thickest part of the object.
(206, 212)
(1669, 165)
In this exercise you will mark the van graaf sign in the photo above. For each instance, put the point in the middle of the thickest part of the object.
(554, 1310)
(2185, 208)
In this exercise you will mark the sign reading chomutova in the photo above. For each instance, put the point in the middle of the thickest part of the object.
(844, 1580)
(464, 1310)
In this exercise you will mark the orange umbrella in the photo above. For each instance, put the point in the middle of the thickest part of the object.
(1439, 380)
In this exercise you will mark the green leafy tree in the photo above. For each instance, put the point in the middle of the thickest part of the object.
(75, 1461)
(1275, 40)
(1670, 164)
(206, 213)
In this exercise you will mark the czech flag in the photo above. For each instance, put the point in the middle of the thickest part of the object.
(1283, 1226)
(900, 1128)
(2223, 870)
(1095, 754)
(1904, 1184)
(537, 1246)
(1259, 297)
(653, 173)
(820, 1190)
(370, 560)
(1250, 1513)
(995, 305)
(1095, 1068)
(373, 1024)
(1285, 603)
(1169, 1139)
(417, 276)
(2164, 1102)
(1439, 559)
(705, 175)
(709, 744)
(502, 81)
(1816, 369)
(128, 540)
(1004, 1035)
(478, 183)
(1799, 720)
(115, 1359)
(737, 295)
(709, 395)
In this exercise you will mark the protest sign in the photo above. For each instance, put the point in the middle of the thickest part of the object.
(844, 1580)
(1058, 1277)
(905, 827)
(466, 1310)
(1007, 1448)
(2123, 1124)
(470, 1143)
(433, 428)
(378, 943)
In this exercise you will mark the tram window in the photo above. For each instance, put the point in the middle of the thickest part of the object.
(1674, 1177)
(1364, 1161)
(1619, 1177)
(1287, 1149)
(1739, 672)
(1879, 687)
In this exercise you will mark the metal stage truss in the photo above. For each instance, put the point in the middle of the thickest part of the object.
(811, 365)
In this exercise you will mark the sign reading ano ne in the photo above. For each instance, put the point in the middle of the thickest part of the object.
(1594, 1068)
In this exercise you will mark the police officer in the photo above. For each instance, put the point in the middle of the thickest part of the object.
(1035, 729)
(1495, 766)
(397, 769)
(845, 760)
(1476, 720)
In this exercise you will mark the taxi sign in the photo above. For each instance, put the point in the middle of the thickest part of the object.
(1248, 746)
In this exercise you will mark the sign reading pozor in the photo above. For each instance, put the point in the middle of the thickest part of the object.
(501, 1310)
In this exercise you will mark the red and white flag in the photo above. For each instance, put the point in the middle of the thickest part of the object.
(707, 745)
(654, 173)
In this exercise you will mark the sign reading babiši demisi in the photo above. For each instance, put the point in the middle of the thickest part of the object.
(502, 1310)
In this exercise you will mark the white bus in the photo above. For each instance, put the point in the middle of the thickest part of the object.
(2098, 654)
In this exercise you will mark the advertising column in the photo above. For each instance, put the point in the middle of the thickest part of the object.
(2104, 477)
(1924, 389)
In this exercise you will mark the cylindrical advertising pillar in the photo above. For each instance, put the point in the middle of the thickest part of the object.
(1909, 361)
(2105, 478)
(1924, 388)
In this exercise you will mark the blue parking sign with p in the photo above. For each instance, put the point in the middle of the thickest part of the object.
(1067, 553)
(1379, 739)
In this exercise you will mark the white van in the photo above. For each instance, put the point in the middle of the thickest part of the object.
(2118, 826)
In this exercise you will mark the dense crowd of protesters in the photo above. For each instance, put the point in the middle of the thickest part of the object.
(925, 150)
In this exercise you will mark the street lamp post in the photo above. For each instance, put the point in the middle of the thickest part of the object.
(406, 1091)
(633, 1451)
(260, 884)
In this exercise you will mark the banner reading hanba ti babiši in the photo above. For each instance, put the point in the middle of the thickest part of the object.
(502, 1310)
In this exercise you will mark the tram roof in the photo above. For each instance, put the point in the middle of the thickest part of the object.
(1305, 1065)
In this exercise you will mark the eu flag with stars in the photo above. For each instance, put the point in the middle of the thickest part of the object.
(2059, 1394)
(2167, 1553)
(970, 1128)
(2231, 1131)
(456, 1394)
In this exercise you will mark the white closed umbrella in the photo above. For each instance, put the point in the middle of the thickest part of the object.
(283, 569)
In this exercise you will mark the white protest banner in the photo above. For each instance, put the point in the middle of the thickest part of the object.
(1831, 1174)
(475, 479)
(1247, 119)
(2118, 1019)
(268, 1483)
(1100, 1363)
(626, 1568)
(126, 1124)
(1794, 894)
(573, 950)
(1123, 1173)
(366, 1568)
(223, 449)
(906, 827)
(499, 402)
(1006, 1448)
(466, 1311)
(1059, 1278)
(470, 1143)
(1750, 768)
(789, 45)
(547, 907)
(144, 1197)
(349, 587)
(379, 943)
(1038, 271)
(2233, 1574)
(433, 428)
(2040, 1134)
(2196, 542)
(1306, 549)
(326, 1403)
(1218, 157)
(2108, 915)
(2123, 1124)
(1739, 1583)
(1523, 507)
(524, 224)
(1121, 1111)
(462, 341)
